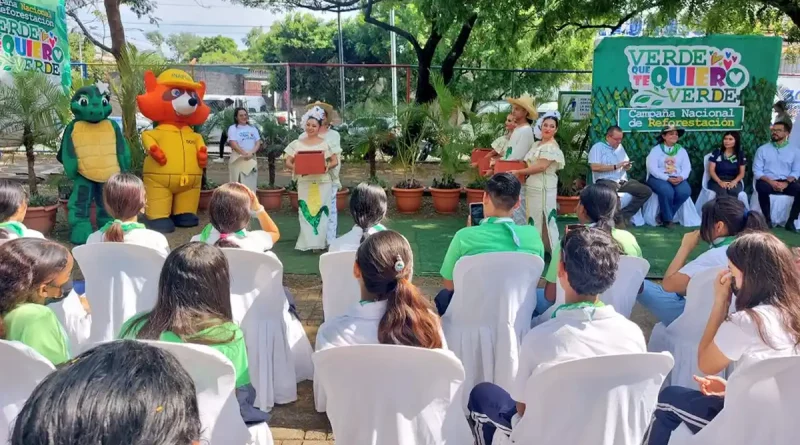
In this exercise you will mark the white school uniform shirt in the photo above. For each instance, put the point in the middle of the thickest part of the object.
(602, 153)
(738, 338)
(350, 241)
(661, 166)
(714, 258)
(358, 326)
(520, 142)
(140, 237)
(573, 334)
(256, 241)
(26, 233)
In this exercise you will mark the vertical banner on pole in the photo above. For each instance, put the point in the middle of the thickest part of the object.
(33, 35)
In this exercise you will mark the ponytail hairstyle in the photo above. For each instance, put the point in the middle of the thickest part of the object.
(386, 265)
(12, 198)
(600, 203)
(26, 264)
(229, 211)
(733, 214)
(368, 207)
(123, 198)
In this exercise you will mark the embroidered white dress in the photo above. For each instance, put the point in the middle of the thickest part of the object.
(334, 140)
(541, 189)
(314, 200)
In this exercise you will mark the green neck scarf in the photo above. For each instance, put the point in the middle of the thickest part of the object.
(724, 241)
(126, 227)
(206, 233)
(580, 305)
(14, 227)
(671, 151)
(779, 145)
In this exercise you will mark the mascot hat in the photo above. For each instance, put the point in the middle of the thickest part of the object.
(178, 78)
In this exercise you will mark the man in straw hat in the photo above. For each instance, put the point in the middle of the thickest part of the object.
(334, 141)
(669, 168)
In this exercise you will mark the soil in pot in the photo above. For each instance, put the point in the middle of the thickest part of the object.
(567, 204)
(408, 201)
(342, 199)
(92, 211)
(271, 199)
(205, 199)
(446, 201)
(41, 219)
(474, 195)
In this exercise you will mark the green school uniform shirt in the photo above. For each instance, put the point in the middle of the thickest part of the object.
(625, 239)
(234, 350)
(493, 235)
(36, 326)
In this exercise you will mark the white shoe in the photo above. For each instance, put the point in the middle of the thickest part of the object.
(219, 161)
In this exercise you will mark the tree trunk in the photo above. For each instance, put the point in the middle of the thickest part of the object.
(27, 138)
(373, 167)
(425, 91)
(460, 44)
(271, 169)
(115, 27)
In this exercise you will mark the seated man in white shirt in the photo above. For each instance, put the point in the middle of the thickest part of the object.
(776, 169)
(583, 327)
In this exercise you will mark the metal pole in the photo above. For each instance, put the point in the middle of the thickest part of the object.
(341, 64)
(289, 95)
(394, 63)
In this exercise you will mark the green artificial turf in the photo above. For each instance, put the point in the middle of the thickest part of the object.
(430, 237)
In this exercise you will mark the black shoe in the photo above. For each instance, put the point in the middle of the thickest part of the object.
(186, 220)
(162, 225)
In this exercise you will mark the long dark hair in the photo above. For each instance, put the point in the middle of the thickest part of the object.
(368, 206)
(737, 145)
(193, 295)
(229, 211)
(120, 392)
(12, 197)
(386, 265)
(769, 276)
(25, 264)
(731, 212)
(236, 116)
(600, 203)
(123, 198)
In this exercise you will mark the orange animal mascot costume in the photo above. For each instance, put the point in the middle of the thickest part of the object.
(177, 155)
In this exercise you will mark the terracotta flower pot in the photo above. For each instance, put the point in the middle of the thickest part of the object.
(92, 211)
(342, 199)
(41, 219)
(408, 200)
(567, 204)
(205, 199)
(445, 201)
(270, 199)
(474, 195)
(293, 200)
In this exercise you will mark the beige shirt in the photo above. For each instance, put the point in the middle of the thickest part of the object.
(550, 151)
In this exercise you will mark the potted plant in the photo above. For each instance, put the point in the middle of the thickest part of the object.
(572, 138)
(37, 110)
(342, 199)
(206, 190)
(274, 139)
(476, 188)
(370, 136)
(408, 192)
(291, 190)
(454, 142)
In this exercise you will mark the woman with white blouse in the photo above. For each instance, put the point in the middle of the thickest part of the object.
(668, 169)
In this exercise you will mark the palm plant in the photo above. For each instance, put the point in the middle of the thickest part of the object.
(36, 107)
(414, 121)
(455, 140)
(378, 136)
(221, 120)
(274, 138)
(572, 138)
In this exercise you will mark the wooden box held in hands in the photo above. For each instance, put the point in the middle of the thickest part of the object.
(507, 166)
(309, 162)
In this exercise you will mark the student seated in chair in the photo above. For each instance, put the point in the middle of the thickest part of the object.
(368, 209)
(724, 218)
(765, 323)
(496, 233)
(194, 306)
(597, 207)
(583, 327)
(13, 207)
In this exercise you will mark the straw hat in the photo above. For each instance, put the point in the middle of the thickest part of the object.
(527, 103)
(669, 128)
(327, 107)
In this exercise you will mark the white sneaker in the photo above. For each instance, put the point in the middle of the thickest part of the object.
(219, 161)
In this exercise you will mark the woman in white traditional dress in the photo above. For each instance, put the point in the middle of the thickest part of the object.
(334, 141)
(544, 160)
(314, 191)
(245, 142)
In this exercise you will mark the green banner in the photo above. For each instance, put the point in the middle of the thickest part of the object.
(33, 34)
(691, 119)
(706, 85)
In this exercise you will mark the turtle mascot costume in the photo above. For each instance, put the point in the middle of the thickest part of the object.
(92, 150)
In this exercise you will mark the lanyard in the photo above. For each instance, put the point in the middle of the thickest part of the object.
(722, 242)
(126, 227)
(580, 305)
(206, 233)
(14, 226)
(508, 222)
(672, 150)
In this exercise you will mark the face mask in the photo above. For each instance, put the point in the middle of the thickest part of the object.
(66, 288)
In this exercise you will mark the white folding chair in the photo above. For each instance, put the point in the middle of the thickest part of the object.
(215, 382)
(22, 370)
(759, 402)
(707, 194)
(490, 313)
(615, 404)
(622, 294)
(686, 215)
(339, 288)
(780, 206)
(682, 337)
(278, 350)
(121, 281)
(393, 395)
